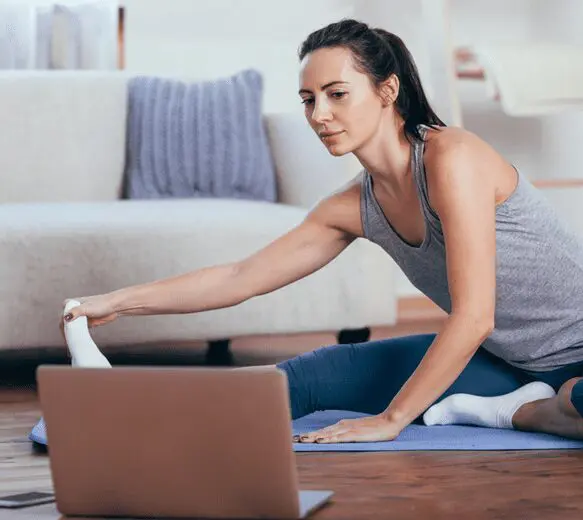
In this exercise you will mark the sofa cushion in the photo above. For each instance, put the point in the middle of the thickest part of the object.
(203, 139)
(55, 251)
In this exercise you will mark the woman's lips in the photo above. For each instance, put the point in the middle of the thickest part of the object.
(328, 136)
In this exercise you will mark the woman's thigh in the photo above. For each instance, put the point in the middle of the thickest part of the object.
(365, 377)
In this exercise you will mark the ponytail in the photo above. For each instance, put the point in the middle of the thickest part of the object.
(412, 103)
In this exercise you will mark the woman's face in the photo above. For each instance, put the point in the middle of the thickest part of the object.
(338, 100)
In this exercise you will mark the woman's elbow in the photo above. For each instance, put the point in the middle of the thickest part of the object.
(487, 325)
(481, 323)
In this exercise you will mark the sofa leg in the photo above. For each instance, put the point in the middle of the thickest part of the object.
(353, 336)
(219, 353)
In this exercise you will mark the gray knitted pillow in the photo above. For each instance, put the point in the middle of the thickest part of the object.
(204, 139)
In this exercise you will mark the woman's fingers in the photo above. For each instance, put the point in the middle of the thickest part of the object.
(341, 436)
(323, 434)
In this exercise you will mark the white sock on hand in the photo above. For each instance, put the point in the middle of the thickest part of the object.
(84, 351)
(491, 412)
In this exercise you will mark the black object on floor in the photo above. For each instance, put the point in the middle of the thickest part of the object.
(346, 336)
(219, 353)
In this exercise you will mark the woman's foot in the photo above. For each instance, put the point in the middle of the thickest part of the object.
(83, 350)
(491, 412)
(557, 416)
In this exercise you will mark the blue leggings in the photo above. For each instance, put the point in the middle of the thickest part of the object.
(365, 377)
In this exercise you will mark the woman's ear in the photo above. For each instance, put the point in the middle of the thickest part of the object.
(390, 90)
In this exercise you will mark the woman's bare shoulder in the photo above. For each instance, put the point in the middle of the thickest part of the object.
(445, 139)
(448, 143)
(451, 152)
(341, 208)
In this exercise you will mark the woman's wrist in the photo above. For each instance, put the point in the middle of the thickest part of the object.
(397, 417)
(121, 300)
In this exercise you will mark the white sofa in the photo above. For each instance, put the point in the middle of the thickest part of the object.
(65, 231)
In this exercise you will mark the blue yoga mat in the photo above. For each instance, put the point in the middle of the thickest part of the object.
(418, 437)
(413, 438)
(39, 433)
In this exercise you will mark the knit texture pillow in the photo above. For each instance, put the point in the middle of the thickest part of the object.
(204, 139)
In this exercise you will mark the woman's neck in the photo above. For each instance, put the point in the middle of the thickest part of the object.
(387, 157)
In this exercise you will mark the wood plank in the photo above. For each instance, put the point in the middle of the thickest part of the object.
(557, 183)
(467, 66)
(475, 74)
(121, 37)
(417, 309)
(473, 485)
(21, 469)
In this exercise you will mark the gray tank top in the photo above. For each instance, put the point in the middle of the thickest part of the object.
(539, 271)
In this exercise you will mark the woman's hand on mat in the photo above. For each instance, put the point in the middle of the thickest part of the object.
(98, 309)
(376, 428)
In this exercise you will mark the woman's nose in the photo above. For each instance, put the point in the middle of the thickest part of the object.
(321, 112)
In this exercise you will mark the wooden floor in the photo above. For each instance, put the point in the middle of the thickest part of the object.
(405, 485)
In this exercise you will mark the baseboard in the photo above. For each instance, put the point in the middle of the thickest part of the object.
(417, 308)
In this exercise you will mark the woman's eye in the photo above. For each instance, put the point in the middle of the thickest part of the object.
(336, 95)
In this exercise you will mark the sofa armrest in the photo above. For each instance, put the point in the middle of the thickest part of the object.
(306, 171)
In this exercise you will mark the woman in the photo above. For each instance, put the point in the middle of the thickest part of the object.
(467, 229)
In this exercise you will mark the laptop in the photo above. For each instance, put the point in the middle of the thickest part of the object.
(172, 442)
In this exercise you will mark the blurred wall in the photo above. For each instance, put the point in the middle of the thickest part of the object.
(200, 39)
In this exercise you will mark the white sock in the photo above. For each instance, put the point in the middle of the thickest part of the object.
(491, 412)
(84, 351)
